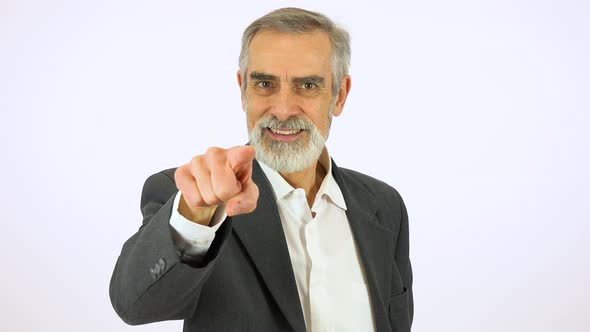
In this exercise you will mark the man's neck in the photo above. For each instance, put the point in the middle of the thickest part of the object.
(309, 179)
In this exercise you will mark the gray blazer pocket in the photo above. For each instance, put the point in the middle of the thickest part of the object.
(399, 312)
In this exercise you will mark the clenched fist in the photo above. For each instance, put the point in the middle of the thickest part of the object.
(218, 176)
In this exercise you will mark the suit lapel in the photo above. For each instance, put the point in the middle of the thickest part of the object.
(373, 241)
(262, 235)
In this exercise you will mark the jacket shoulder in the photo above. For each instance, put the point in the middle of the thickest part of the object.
(375, 187)
(369, 191)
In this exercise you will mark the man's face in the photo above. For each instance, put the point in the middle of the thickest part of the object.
(288, 97)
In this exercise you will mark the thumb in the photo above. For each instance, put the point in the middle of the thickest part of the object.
(240, 160)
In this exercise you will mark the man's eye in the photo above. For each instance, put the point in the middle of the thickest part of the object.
(264, 84)
(308, 86)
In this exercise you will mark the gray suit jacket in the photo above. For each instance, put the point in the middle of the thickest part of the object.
(246, 281)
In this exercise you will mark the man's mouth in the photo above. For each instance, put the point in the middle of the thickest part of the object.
(284, 131)
(284, 134)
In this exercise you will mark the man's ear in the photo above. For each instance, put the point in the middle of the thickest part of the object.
(342, 94)
(239, 76)
(240, 82)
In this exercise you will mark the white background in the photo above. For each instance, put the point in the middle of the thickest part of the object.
(476, 111)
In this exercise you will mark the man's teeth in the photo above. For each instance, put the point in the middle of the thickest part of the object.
(285, 131)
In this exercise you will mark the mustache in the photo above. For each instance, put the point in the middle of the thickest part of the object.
(298, 123)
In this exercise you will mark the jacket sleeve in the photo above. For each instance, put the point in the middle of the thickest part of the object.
(150, 282)
(402, 260)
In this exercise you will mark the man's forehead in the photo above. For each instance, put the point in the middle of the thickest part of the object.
(290, 54)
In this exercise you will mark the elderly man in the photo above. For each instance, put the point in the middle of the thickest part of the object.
(273, 236)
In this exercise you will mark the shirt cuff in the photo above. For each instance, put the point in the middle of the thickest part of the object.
(192, 240)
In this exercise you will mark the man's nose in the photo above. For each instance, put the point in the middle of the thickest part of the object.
(285, 105)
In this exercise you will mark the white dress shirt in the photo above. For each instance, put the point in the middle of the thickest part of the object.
(330, 279)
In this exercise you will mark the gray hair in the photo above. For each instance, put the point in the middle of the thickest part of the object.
(296, 20)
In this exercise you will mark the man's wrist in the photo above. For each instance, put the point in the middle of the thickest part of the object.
(198, 215)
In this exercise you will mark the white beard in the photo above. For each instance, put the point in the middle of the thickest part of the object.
(287, 157)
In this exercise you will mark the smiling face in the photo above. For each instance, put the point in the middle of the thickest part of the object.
(288, 97)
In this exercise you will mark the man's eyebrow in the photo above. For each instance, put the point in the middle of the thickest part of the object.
(309, 79)
(262, 76)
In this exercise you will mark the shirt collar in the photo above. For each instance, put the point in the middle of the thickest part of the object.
(329, 186)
